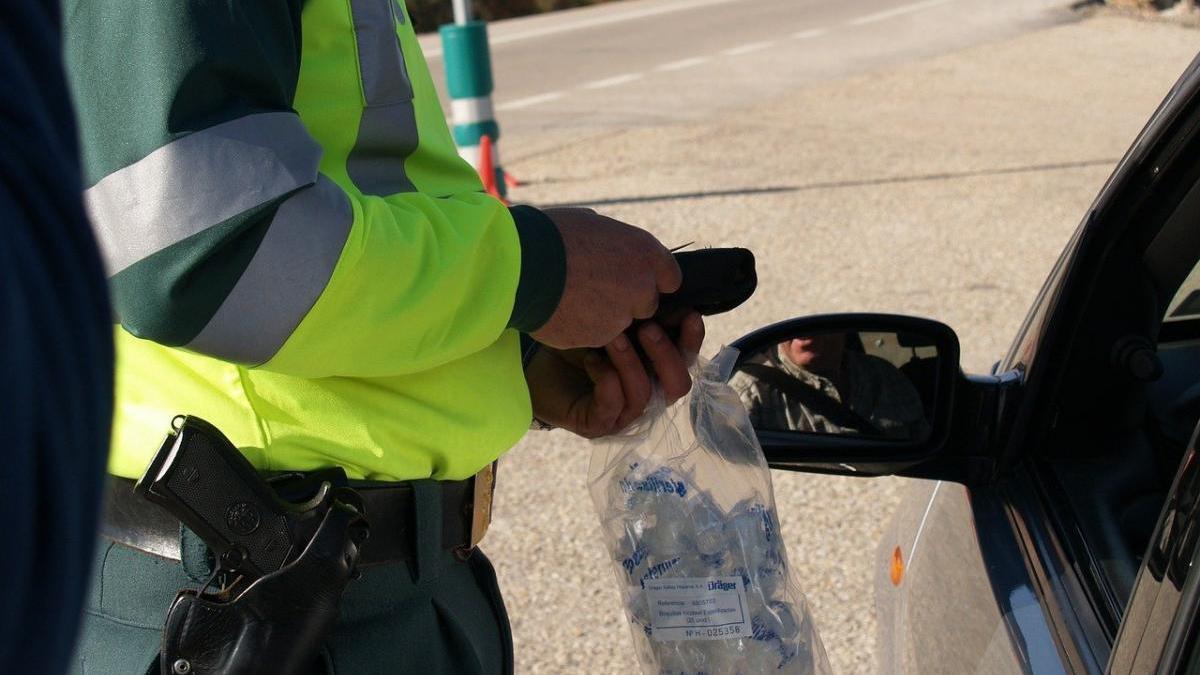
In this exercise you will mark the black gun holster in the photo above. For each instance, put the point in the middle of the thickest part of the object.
(276, 623)
(282, 564)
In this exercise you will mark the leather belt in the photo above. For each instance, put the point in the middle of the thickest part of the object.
(466, 514)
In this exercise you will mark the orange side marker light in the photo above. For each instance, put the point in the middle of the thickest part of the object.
(897, 570)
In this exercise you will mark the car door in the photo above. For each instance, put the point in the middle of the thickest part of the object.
(1081, 463)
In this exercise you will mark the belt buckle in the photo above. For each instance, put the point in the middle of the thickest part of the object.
(481, 506)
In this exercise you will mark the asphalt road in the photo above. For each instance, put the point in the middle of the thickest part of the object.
(932, 162)
(651, 62)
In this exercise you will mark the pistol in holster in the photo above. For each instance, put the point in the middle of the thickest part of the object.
(281, 565)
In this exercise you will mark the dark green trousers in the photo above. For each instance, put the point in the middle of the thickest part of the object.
(434, 614)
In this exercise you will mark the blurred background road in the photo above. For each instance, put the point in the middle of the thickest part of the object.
(928, 158)
(643, 63)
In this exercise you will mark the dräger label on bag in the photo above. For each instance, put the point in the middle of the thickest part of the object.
(698, 609)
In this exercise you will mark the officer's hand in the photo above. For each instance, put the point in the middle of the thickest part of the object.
(596, 393)
(614, 275)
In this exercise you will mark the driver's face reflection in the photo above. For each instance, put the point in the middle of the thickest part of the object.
(821, 354)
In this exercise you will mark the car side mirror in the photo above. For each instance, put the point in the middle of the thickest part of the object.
(861, 394)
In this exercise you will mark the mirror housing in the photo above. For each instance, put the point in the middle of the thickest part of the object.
(866, 455)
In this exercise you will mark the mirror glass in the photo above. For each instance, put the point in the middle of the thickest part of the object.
(873, 384)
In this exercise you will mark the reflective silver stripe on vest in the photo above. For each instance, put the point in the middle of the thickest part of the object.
(387, 134)
(198, 181)
(287, 274)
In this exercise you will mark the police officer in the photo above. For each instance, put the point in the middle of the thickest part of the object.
(297, 255)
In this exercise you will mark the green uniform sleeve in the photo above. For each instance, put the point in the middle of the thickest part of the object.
(222, 236)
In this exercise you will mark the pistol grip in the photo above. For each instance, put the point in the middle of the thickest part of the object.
(205, 481)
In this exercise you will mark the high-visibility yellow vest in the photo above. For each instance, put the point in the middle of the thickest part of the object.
(296, 252)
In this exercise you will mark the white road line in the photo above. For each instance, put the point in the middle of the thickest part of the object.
(746, 49)
(685, 63)
(617, 80)
(612, 81)
(898, 11)
(530, 101)
(810, 33)
(683, 5)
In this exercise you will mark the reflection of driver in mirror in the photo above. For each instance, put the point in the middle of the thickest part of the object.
(816, 384)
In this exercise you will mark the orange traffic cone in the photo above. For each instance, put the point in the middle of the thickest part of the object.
(487, 168)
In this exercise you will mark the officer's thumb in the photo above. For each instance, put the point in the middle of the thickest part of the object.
(667, 273)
